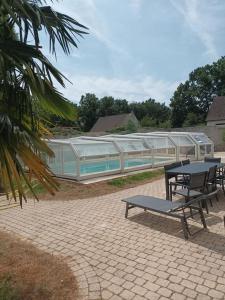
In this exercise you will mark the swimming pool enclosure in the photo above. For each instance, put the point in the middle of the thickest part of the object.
(85, 157)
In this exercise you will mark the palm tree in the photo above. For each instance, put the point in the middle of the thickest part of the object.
(26, 89)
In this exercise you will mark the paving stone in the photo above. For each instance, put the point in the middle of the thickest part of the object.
(139, 290)
(216, 294)
(128, 295)
(164, 292)
(106, 294)
(203, 297)
(175, 287)
(202, 289)
(151, 295)
(190, 293)
(177, 296)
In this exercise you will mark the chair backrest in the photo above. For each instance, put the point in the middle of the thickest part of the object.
(212, 174)
(213, 159)
(185, 162)
(198, 181)
(176, 164)
(173, 165)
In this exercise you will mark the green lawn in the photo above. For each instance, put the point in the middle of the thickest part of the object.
(136, 178)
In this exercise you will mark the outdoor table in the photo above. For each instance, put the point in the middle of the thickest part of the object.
(189, 169)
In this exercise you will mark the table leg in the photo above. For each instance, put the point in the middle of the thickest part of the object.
(167, 186)
(126, 211)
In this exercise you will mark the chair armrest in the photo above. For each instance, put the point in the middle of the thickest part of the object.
(178, 184)
(189, 203)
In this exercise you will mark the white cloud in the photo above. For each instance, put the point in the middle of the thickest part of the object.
(200, 22)
(132, 90)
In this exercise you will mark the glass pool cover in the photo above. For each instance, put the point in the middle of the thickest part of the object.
(85, 157)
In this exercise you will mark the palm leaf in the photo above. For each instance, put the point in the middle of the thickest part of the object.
(26, 89)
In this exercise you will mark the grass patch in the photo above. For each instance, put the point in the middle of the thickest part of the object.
(136, 178)
(7, 290)
(39, 188)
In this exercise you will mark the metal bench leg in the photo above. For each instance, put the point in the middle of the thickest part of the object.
(202, 216)
(206, 205)
(183, 223)
(191, 212)
(170, 192)
(126, 211)
(222, 185)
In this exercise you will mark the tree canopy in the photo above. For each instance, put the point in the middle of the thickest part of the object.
(91, 108)
(196, 94)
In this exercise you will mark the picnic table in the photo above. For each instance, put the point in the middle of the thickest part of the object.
(189, 169)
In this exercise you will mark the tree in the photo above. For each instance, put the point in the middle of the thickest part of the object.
(148, 122)
(196, 94)
(191, 120)
(121, 106)
(156, 111)
(106, 105)
(109, 106)
(131, 127)
(26, 89)
(88, 111)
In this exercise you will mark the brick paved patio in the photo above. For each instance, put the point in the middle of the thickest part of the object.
(143, 257)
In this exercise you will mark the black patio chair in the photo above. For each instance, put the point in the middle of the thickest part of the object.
(211, 189)
(185, 178)
(185, 162)
(194, 188)
(211, 180)
(171, 166)
(212, 159)
(177, 209)
(179, 179)
(220, 178)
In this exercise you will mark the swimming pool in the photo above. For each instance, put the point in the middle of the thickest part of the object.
(94, 167)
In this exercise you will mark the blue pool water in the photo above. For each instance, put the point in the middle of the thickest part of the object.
(103, 166)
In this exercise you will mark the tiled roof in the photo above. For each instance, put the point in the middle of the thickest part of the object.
(110, 122)
(217, 109)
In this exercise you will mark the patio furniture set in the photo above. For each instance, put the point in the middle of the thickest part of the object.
(196, 184)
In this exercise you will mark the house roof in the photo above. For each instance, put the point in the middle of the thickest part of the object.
(110, 122)
(217, 109)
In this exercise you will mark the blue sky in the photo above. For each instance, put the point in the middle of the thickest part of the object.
(139, 49)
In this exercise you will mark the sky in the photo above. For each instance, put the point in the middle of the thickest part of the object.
(137, 49)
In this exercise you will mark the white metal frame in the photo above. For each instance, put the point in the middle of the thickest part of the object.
(115, 139)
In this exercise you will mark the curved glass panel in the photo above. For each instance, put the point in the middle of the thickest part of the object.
(131, 145)
(201, 138)
(205, 145)
(163, 149)
(94, 149)
(55, 163)
(69, 161)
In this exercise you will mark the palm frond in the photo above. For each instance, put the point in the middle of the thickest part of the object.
(26, 88)
(31, 18)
